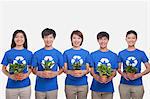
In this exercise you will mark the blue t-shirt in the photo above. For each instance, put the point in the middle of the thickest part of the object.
(13, 56)
(135, 58)
(72, 56)
(109, 59)
(53, 55)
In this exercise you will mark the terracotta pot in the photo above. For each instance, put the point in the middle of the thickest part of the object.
(103, 78)
(18, 76)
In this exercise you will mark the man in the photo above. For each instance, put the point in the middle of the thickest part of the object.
(45, 63)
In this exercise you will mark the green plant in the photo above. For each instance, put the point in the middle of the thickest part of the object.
(16, 68)
(76, 65)
(104, 70)
(47, 65)
(130, 69)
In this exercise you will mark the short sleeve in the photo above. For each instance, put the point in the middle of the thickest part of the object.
(91, 60)
(144, 57)
(60, 60)
(65, 57)
(119, 59)
(115, 62)
(34, 61)
(5, 60)
(30, 59)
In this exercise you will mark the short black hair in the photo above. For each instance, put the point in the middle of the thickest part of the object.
(47, 32)
(131, 32)
(102, 34)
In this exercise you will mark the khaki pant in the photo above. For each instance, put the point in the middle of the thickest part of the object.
(21, 93)
(131, 92)
(46, 95)
(102, 95)
(76, 92)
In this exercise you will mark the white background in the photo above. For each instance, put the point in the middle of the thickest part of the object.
(90, 17)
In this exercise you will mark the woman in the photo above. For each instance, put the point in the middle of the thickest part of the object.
(76, 66)
(131, 87)
(18, 84)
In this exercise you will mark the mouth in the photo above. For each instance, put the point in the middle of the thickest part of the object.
(76, 43)
(19, 41)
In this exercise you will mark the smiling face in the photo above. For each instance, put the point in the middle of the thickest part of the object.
(103, 42)
(48, 40)
(19, 39)
(131, 39)
(76, 40)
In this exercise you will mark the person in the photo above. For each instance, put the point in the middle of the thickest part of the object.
(18, 83)
(131, 87)
(76, 66)
(103, 89)
(46, 62)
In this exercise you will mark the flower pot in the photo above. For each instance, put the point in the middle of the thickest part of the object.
(103, 78)
(18, 76)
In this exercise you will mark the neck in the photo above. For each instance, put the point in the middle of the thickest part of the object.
(76, 47)
(131, 48)
(48, 47)
(19, 47)
(103, 49)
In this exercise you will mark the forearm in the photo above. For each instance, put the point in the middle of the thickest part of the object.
(60, 71)
(6, 73)
(29, 71)
(120, 72)
(145, 72)
(34, 71)
(113, 74)
(92, 73)
(4, 70)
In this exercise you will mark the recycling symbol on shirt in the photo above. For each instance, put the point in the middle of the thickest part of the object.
(19, 60)
(104, 61)
(48, 59)
(131, 61)
(77, 59)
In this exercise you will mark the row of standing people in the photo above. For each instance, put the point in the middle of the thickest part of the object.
(76, 84)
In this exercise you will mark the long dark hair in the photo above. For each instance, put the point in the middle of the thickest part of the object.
(13, 44)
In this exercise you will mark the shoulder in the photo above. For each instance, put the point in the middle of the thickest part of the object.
(113, 53)
(28, 51)
(85, 51)
(122, 51)
(68, 50)
(57, 51)
(95, 52)
(9, 51)
(140, 52)
(38, 51)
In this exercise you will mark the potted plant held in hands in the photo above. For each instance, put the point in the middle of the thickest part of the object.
(130, 71)
(76, 64)
(17, 69)
(104, 72)
(47, 65)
